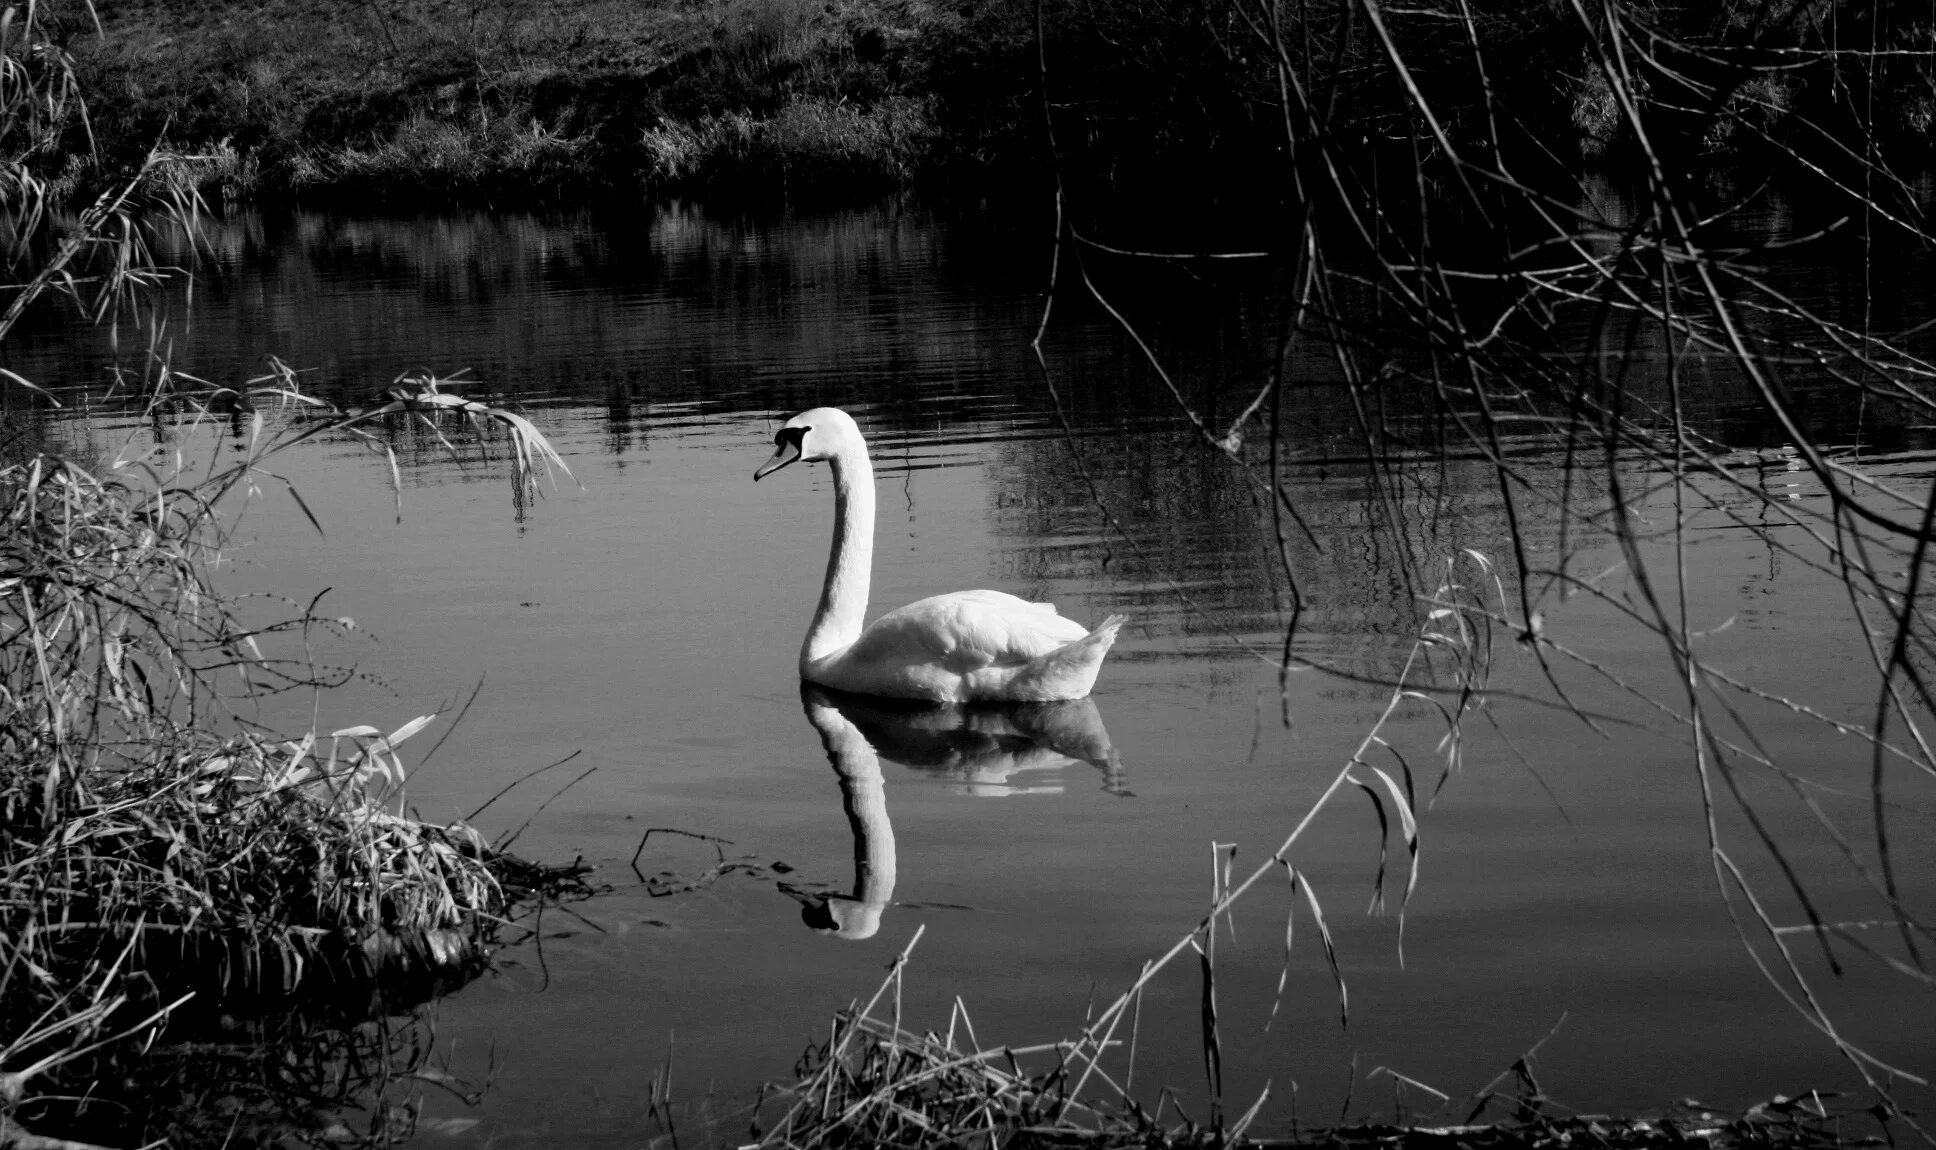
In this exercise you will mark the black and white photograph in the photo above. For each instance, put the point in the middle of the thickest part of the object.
(969, 574)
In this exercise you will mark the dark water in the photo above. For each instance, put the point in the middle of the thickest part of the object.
(650, 622)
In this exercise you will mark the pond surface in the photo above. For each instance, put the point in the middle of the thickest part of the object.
(649, 621)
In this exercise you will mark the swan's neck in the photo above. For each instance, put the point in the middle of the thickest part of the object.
(843, 600)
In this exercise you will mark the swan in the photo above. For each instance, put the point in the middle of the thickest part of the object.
(966, 646)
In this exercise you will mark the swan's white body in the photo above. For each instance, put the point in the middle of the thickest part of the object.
(962, 647)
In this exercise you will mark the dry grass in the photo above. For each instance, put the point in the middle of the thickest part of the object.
(810, 143)
(153, 847)
(509, 152)
(1468, 292)
(157, 850)
(875, 1082)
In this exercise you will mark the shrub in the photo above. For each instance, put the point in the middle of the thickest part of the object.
(477, 153)
(809, 145)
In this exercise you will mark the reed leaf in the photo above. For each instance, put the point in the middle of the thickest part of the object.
(1377, 903)
(1330, 952)
(1401, 801)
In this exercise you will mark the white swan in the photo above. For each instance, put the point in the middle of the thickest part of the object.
(957, 648)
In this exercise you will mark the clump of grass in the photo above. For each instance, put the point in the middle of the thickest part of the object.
(875, 1082)
(219, 171)
(153, 845)
(810, 143)
(478, 153)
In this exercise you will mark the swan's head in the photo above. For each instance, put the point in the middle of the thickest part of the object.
(843, 917)
(817, 435)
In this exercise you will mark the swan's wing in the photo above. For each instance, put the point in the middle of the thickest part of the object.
(966, 631)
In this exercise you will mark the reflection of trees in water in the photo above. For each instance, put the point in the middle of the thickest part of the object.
(1388, 472)
(1668, 347)
(649, 318)
(623, 308)
(1202, 528)
(654, 308)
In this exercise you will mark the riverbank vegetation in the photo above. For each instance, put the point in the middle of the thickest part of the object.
(766, 100)
(877, 1082)
(209, 929)
(168, 862)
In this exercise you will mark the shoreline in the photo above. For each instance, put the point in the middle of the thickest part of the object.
(411, 103)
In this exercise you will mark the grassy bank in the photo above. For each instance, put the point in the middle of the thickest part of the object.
(167, 866)
(788, 99)
(205, 924)
(509, 99)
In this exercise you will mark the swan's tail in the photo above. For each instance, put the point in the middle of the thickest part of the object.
(1103, 637)
(1068, 672)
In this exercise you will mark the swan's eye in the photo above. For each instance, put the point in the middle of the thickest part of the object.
(793, 435)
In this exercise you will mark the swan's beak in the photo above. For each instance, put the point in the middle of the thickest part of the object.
(789, 451)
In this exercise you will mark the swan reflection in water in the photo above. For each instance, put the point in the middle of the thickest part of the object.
(983, 746)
